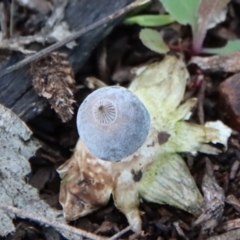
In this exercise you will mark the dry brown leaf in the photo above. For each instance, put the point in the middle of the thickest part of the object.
(107, 227)
(219, 63)
(234, 202)
(231, 235)
(234, 169)
(179, 230)
(213, 200)
(229, 100)
(229, 225)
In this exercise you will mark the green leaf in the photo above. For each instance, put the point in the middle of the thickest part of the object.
(153, 40)
(231, 46)
(183, 11)
(150, 20)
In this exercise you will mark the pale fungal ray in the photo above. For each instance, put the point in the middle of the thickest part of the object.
(167, 181)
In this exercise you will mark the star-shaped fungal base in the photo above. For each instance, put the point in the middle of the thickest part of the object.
(155, 172)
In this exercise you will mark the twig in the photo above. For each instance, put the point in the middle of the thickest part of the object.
(201, 95)
(119, 234)
(72, 37)
(12, 12)
(3, 20)
(50, 222)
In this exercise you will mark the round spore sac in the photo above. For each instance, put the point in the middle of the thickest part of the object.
(113, 123)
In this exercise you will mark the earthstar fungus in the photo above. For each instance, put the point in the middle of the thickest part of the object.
(113, 123)
(163, 177)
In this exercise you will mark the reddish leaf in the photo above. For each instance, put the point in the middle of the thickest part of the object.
(208, 12)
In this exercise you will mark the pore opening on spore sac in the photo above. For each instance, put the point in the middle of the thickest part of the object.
(104, 111)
